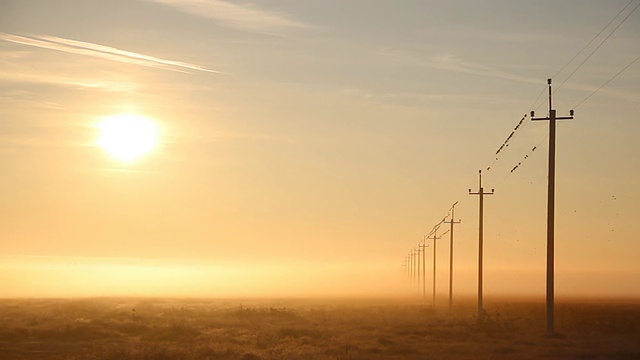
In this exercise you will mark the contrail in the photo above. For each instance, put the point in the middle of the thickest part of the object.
(102, 51)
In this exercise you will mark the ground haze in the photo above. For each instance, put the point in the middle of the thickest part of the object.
(146, 328)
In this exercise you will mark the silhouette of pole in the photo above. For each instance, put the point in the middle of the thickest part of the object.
(411, 260)
(452, 222)
(415, 266)
(551, 207)
(424, 246)
(406, 270)
(409, 268)
(418, 269)
(481, 193)
(434, 238)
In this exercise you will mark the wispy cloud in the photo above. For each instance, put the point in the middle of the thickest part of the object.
(450, 62)
(102, 51)
(240, 16)
(66, 81)
(454, 63)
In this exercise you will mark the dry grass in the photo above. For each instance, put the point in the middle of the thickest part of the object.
(157, 329)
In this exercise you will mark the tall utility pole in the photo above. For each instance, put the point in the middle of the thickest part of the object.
(452, 222)
(551, 206)
(424, 247)
(434, 238)
(481, 193)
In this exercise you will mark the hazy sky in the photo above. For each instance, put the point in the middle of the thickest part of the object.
(306, 146)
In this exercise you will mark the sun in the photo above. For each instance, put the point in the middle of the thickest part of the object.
(127, 137)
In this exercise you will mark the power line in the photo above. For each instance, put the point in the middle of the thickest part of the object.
(607, 82)
(597, 47)
(535, 105)
(586, 46)
(525, 157)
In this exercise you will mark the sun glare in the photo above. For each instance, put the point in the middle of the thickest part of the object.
(127, 137)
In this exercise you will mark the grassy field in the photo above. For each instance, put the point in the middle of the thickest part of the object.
(154, 329)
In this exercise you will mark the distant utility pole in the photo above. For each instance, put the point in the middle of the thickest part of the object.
(424, 247)
(415, 266)
(434, 238)
(409, 278)
(551, 206)
(410, 272)
(418, 269)
(452, 222)
(481, 193)
(406, 268)
(411, 267)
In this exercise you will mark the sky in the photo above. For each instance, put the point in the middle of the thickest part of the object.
(305, 147)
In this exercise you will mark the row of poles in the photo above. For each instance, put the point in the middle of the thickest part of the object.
(413, 265)
(412, 260)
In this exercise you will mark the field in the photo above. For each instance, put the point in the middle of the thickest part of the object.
(155, 329)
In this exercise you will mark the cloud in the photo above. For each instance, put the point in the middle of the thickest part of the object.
(240, 16)
(102, 51)
(450, 62)
(65, 81)
(454, 63)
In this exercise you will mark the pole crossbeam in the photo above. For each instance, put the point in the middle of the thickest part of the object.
(481, 193)
(551, 206)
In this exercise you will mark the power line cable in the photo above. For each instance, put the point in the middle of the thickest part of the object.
(535, 103)
(590, 42)
(607, 82)
(597, 47)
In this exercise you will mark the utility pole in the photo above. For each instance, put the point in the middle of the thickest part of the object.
(434, 238)
(412, 265)
(415, 266)
(424, 247)
(418, 269)
(551, 206)
(481, 193)
(452, 222)
(410, 268)
(406, 270)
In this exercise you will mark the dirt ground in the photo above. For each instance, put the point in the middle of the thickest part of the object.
(154, 329)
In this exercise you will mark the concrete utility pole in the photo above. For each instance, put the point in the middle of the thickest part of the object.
(481, 193)
(424, 247)
(551, 206)
(452, 222)
(434, 238)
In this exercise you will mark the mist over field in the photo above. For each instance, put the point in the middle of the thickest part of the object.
(318, 328)
(88, 277)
